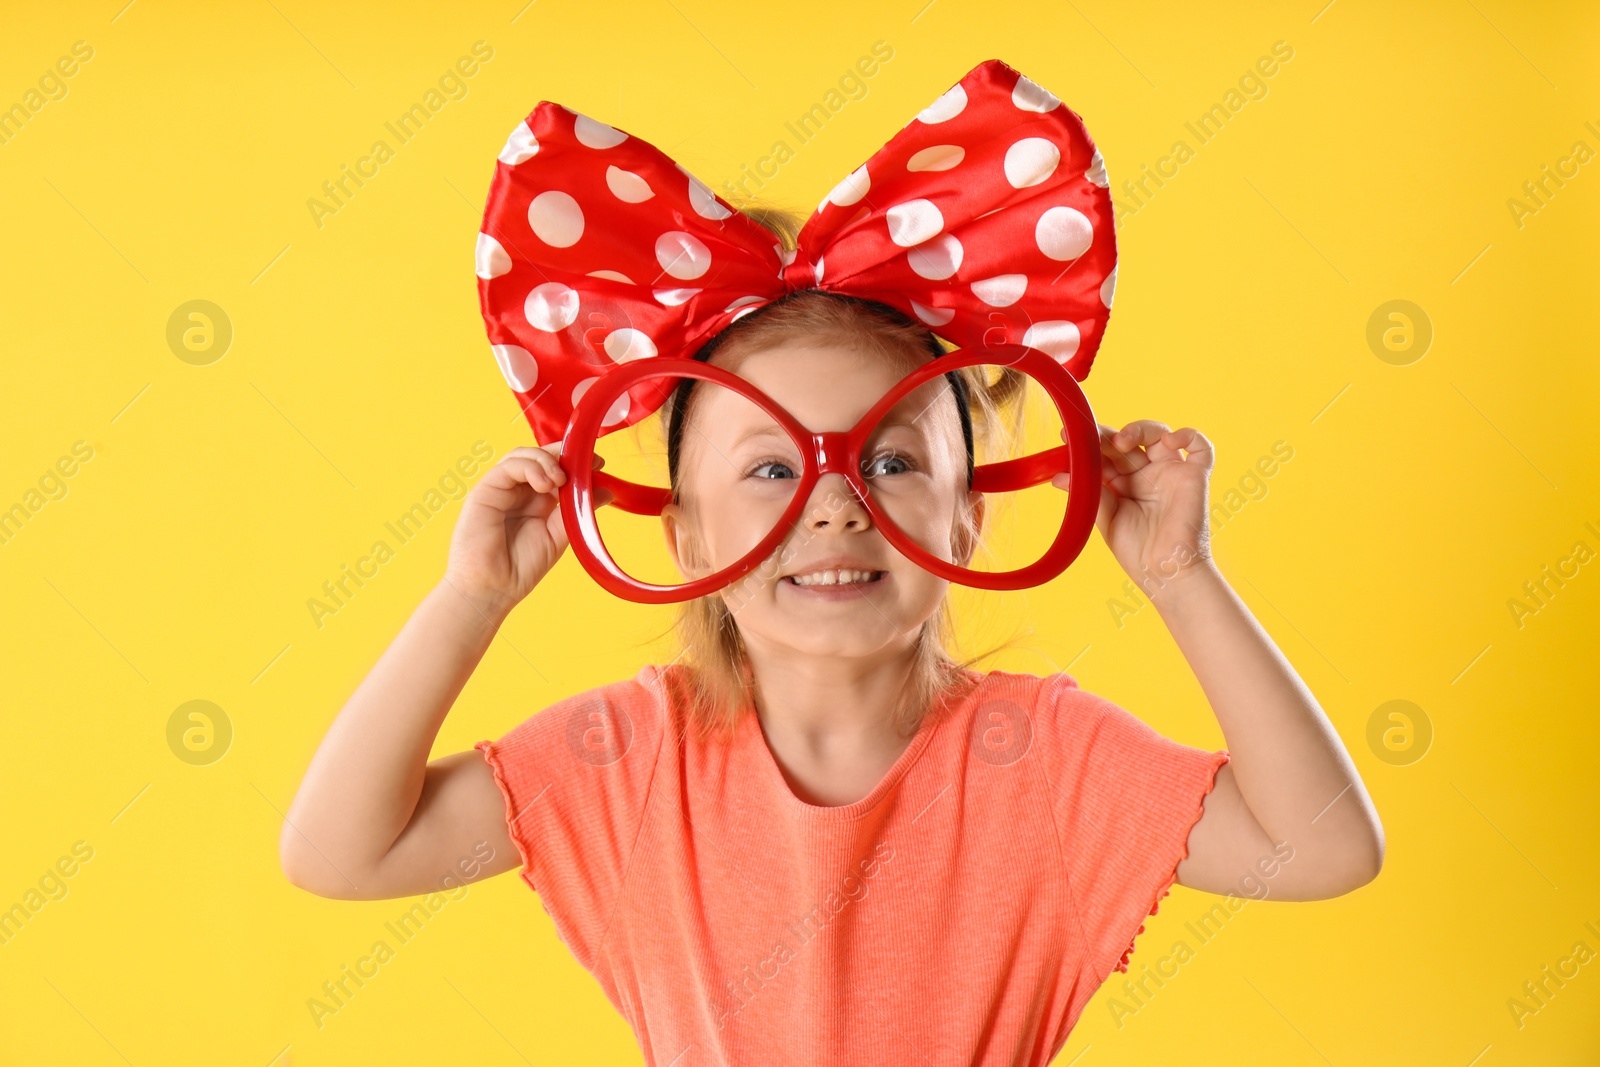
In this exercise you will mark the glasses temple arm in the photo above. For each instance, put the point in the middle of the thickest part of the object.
(632, 497)
(1022, 473)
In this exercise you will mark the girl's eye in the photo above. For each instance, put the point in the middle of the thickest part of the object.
(893, 463)
(777, 468)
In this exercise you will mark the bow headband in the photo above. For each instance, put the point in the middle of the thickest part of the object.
(988, 218)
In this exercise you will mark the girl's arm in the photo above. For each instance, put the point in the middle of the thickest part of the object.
(1289, 779)
(373, 818)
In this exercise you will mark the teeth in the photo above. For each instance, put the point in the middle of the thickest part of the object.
(834, 577)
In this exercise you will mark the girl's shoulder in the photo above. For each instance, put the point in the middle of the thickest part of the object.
(1035, 694)
(1024, 680)
(598, 725)
(1055, 711)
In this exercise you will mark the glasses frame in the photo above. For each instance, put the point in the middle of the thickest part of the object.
(837, 452)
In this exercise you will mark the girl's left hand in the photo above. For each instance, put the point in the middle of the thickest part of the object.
(1153, 512)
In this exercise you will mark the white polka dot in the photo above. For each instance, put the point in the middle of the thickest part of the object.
(521, 145)
(945, 108)
(682, 255)
(817, 268)
(1030, 96)
(914, 222)
(592, 134)
(1002, 290)
(1063, 233)
(933, 316)
(703, 200)
(628, 343)
(517, 365)
(672, 297)
(936, 260)
(745, 301)
(1030, 161)
(855, 185)
(556, 219)
(939, 157)
(612, 275)
(786, 256)
(551, 307)
(492, 259)
(1108, 287)
(740, 315)
(1097, 171)
(619, 407)
(1057, 337)
(628, 186)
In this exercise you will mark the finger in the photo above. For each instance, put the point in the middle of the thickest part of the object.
(602, 495)
(1135, 486)
(542, 454)
(1140, 433)
(1119, 483)
(547, 458)
(1109, 501)
(551, 463)
(1105, 431)
(556, 526)
(1106, 507)
(525, 455)
(1117, 460)
(1113, 460)
(514, 471)
(1189, 440)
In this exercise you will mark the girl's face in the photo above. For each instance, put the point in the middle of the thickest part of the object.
(737, 474)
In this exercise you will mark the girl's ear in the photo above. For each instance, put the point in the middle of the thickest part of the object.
(681, 542)
(967, 533)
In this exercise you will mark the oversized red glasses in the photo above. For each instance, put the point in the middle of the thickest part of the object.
(829, 453)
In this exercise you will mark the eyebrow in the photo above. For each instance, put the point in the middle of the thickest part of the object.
(894, 418)
(766, 431)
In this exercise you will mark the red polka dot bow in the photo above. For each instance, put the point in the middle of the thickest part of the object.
(988, 218)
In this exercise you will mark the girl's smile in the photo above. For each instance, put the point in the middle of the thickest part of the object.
(835, 580)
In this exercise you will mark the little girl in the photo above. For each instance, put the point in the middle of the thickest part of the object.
(814, 838)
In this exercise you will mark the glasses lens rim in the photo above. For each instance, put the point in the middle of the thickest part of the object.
(1039, 368)
(581, 516)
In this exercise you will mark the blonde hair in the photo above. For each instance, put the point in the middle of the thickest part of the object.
(720, 683)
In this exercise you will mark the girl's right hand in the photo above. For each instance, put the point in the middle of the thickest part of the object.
(510, 531)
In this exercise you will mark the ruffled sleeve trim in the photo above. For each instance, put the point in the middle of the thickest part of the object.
(491, 755)
(1219, 758)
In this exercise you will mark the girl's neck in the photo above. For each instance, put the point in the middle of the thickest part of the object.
(831, 724)
(821, 701)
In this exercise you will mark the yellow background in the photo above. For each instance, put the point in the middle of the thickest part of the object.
(219, 498)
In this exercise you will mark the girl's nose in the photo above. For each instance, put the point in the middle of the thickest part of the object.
(834, 505)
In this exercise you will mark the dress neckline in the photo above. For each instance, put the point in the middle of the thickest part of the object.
(931, 722)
